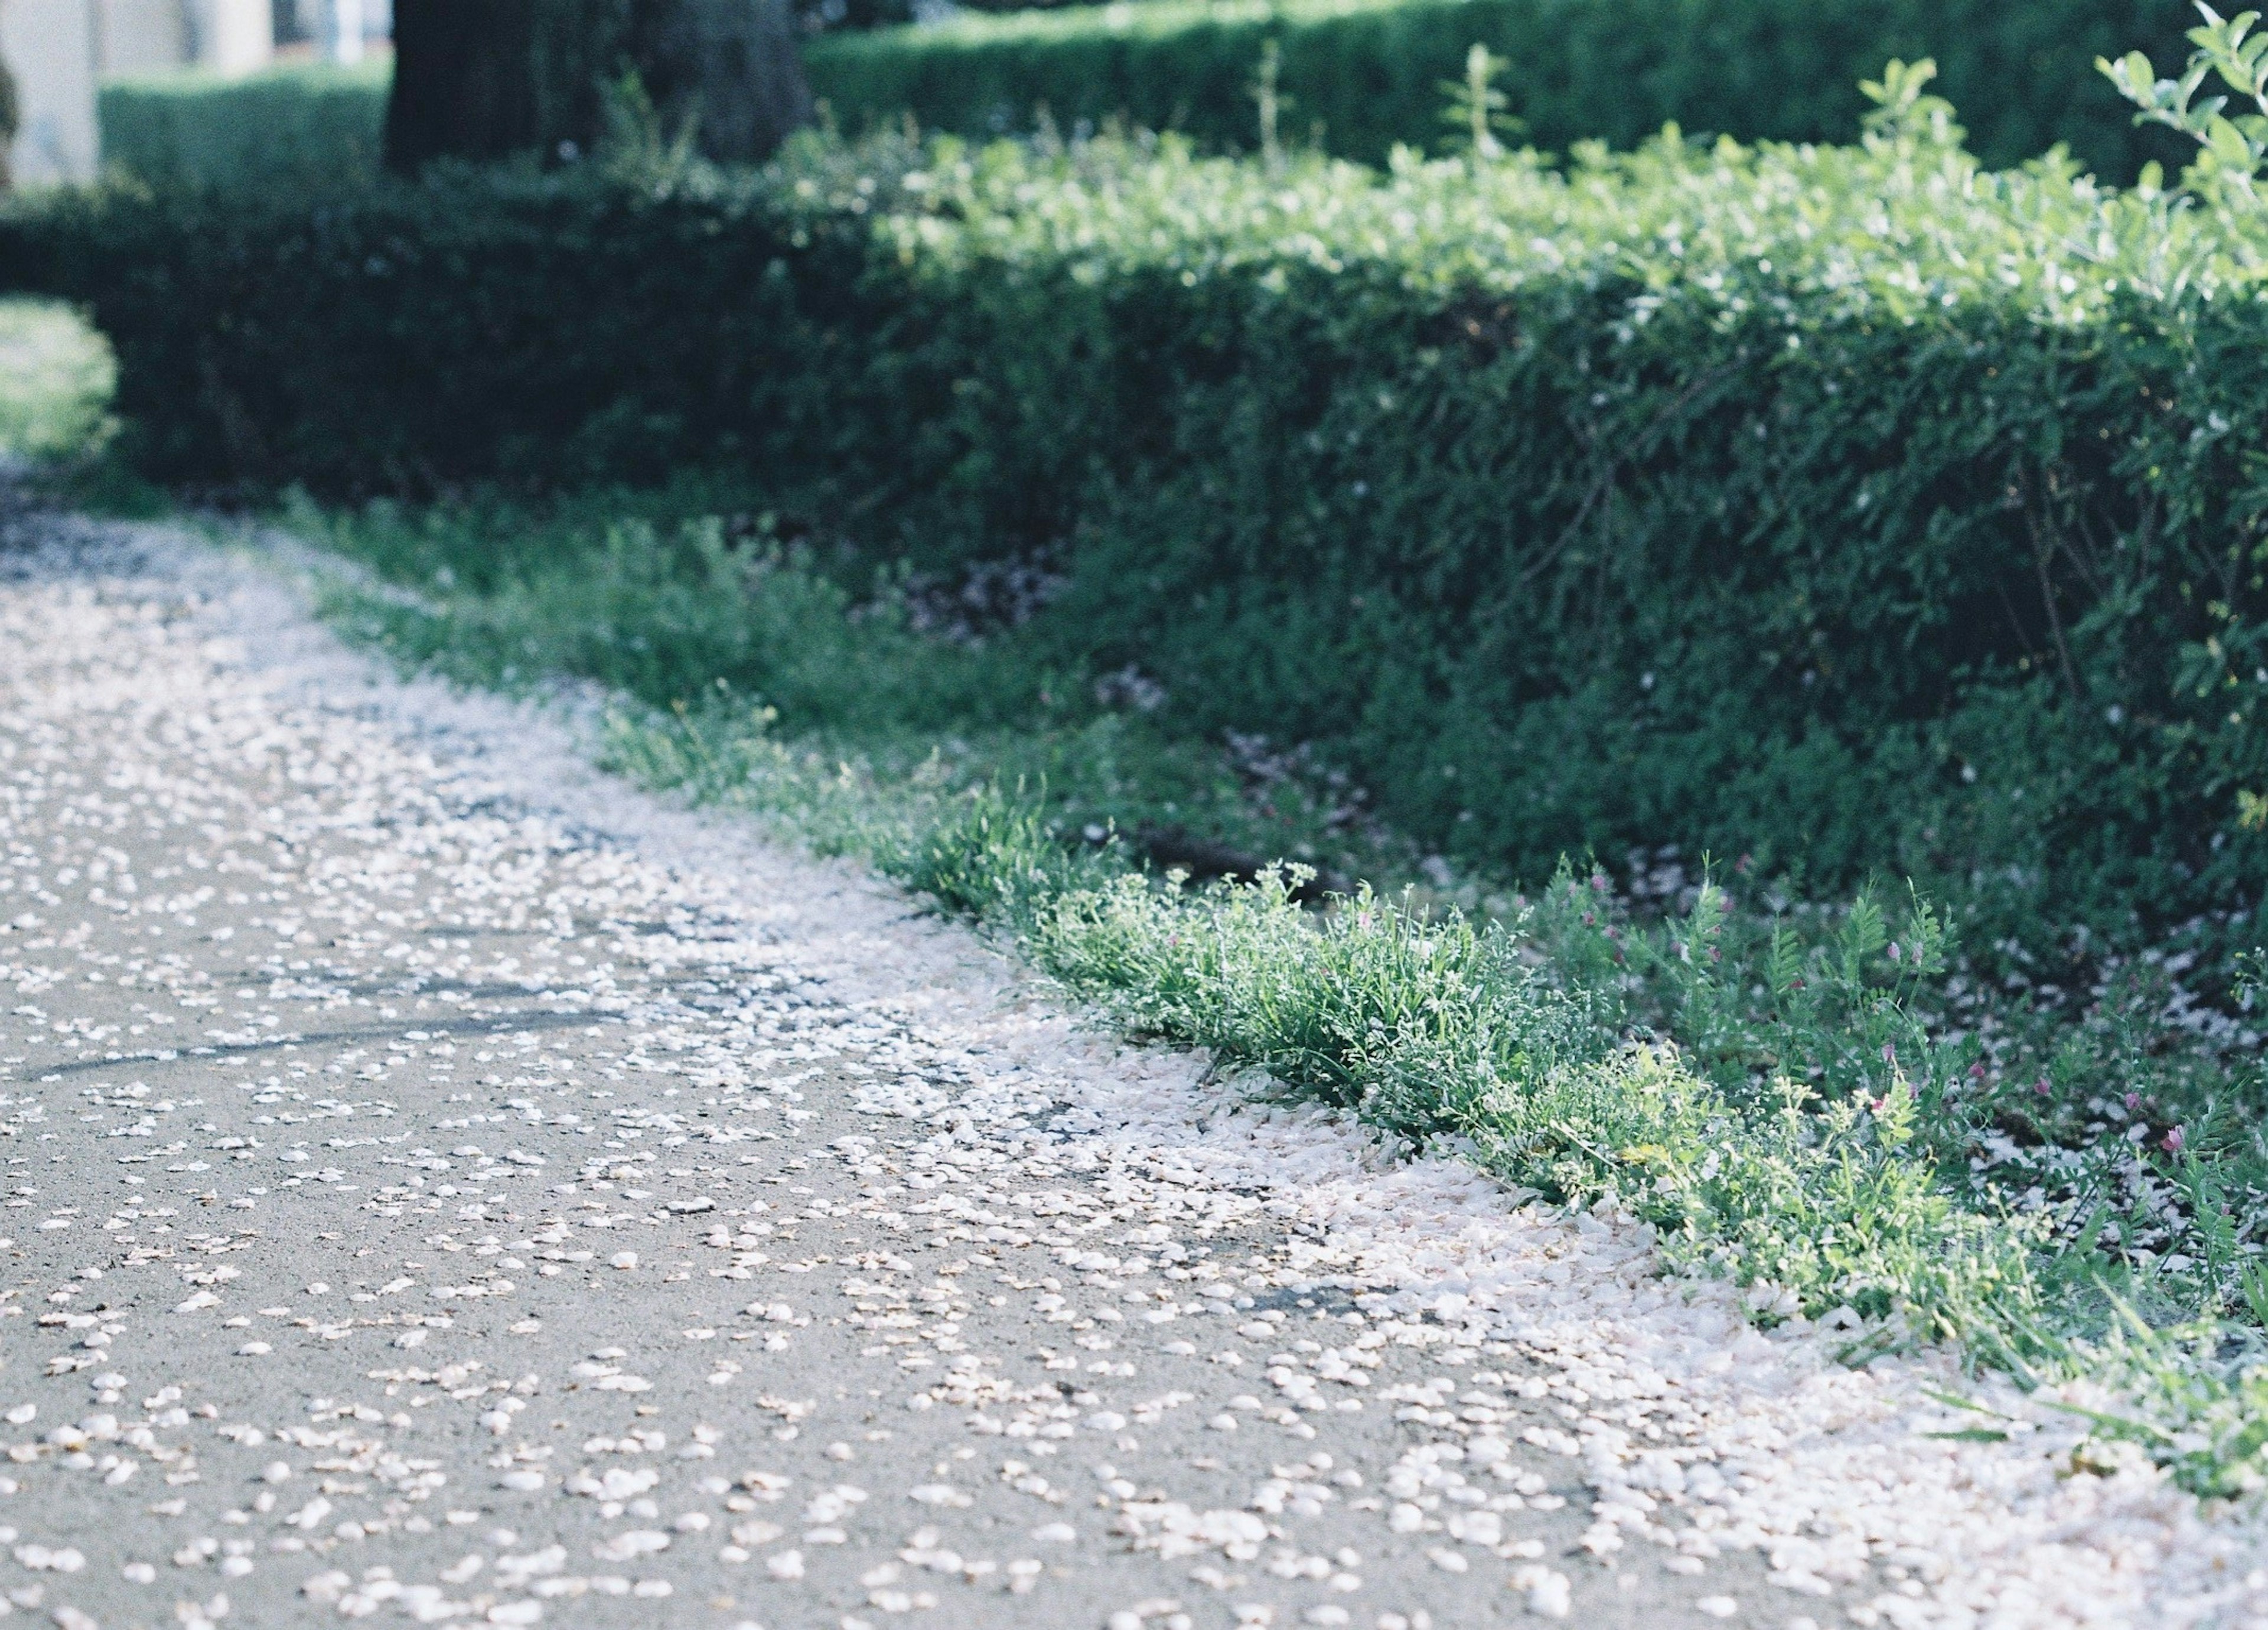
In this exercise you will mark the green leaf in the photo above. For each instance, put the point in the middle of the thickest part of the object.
(2227, 144)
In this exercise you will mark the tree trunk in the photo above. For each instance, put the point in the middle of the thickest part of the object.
(10, 112)
(464, 82)
(729, 66)
(482, 79)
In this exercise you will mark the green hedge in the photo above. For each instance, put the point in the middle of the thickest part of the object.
(289, 128)
(1368, 73)
(314, 342)
(1848, 508)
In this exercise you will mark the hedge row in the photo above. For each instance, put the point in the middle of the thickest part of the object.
(1366, 74)
(1360, 75)
(1847, 508)
(291, 128)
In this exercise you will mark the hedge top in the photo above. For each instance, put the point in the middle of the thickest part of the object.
(1359, 76)
(316, 125)
(1901, 223)
(194, 84)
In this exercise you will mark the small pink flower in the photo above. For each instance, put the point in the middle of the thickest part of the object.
(1976, 1071)
(2174, 1141)
(1896, 955)
(2041, 1088)
(1599, 882)
(1889, 1052)
(2134, 1101)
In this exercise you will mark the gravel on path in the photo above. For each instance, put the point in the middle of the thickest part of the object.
(444, 1184)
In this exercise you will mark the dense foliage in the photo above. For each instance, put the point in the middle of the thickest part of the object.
(1848, 508)
(480, 325)
(1363, 75)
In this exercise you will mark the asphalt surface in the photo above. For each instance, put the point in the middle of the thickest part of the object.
(439, 1189)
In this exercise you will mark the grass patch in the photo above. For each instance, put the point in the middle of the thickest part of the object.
(1824, 1103)
(926, 686)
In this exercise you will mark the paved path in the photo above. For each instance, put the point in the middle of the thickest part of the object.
(441, 1185)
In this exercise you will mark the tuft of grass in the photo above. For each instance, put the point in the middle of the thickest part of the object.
(1406, 1019)
(993, 857)
(1432, 1026)
(2179, 1399)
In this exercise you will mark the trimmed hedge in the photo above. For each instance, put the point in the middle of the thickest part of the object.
(291, 128)
(1851, 508)
(1367, 74)
(1364, 74)
(479, 326)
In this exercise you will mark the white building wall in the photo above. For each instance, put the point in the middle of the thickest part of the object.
(231, 36)
(60, 50)
(49, 45)
(140, 36)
